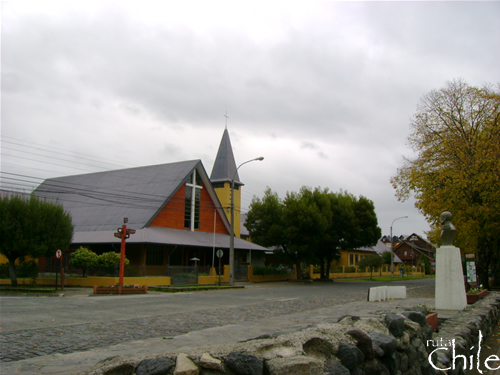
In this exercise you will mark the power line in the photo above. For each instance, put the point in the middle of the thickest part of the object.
(72, 152)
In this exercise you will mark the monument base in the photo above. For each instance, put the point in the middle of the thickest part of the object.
(450, 288)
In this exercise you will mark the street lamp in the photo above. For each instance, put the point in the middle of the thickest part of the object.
(231, 237)
(392, 244)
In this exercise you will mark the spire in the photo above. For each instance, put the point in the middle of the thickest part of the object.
(225, 166)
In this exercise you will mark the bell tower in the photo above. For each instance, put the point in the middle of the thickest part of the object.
(223, 172)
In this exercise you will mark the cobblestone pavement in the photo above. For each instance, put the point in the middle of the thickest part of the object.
(26, 344)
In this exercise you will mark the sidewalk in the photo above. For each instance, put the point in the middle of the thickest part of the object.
(77, 362)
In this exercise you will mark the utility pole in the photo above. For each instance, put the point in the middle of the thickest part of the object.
(392, 244)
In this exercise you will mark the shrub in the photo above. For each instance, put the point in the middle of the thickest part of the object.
(336, 269)
(4, 270)
(270, 270)
(110, 259)
(84, 259)
(27, 269)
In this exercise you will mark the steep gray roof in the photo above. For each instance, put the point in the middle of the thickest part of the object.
(225, 166)
(168, 236)
(100, 201)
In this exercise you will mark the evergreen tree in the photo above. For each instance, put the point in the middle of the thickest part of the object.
(32, 227)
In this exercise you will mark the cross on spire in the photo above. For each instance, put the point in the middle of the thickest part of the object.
(226, 116)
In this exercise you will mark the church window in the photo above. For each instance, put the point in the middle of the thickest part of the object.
(192, 202)
(154, 256)
(351, 259)
(218, 185)
(357, 258)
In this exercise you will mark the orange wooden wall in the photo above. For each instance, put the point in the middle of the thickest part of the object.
(172, 215)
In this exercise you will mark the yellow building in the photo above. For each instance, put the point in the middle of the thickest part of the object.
(352, 257)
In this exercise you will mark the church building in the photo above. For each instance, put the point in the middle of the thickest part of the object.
(177, 211)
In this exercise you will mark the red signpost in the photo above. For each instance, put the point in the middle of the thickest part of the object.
(59, 255)
(123, 233)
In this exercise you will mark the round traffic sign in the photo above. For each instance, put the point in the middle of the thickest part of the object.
(219, 253)
(58, 254)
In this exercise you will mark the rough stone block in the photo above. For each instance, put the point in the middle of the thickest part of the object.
(336, 368)
(350, 356)
(417, 317)
(299, 365)
(385, 342)
(184, 366)
(396, 324)
(154, 366)
(244, 364)
(207, 361)
(123, 369)
(364, 343)
(318, 348)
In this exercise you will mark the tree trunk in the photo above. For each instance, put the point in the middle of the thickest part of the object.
(299, 270)
(328, 266)
(483, 263)
(322, 268)
(495, 265)
(12, 272)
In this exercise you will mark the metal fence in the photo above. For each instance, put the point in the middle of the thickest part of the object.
(184, 275)
(241, 272)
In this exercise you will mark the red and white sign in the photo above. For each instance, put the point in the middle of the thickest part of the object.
(58, 254)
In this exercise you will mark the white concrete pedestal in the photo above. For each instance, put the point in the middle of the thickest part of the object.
(450, 288)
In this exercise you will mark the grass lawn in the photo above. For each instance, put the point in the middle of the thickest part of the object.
(191, 288)
(27, 289)
(390, 278)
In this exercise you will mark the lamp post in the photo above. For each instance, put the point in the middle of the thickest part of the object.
(231, 236)
(392, 244)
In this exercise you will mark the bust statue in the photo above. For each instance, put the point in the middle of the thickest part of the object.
(448, 231)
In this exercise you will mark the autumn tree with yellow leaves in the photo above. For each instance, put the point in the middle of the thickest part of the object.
(456, 139)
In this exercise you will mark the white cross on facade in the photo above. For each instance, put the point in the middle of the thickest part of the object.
(193, 186)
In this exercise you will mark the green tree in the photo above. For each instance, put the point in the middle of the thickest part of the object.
(425, 261)
(307, 217)
(110, 260)
(371, 261)
(84, 258)
(387, 257)
(32, 227)
(353, 224)
(456, 140)
(312, 225)
(267, 226)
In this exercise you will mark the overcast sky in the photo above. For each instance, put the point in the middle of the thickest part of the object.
(323, 90)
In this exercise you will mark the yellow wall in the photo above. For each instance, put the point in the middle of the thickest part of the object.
(263, 278)
(95, 280)
(3, 259)
(345, 256)
(214, 279)
(224, 195)
(344, 275)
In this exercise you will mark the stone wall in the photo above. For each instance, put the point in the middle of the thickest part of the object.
(393, 343)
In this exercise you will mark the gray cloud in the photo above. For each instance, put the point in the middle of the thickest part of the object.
(325, 92)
